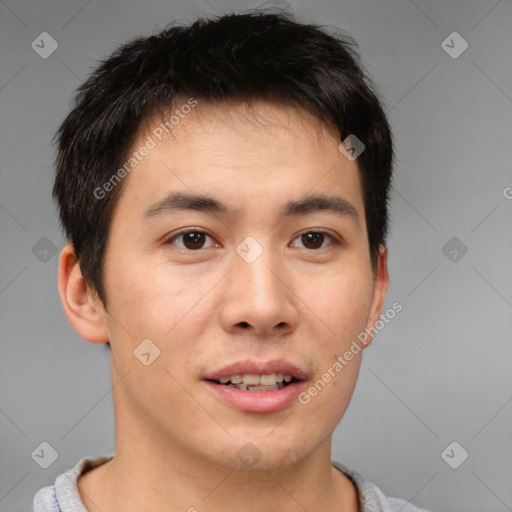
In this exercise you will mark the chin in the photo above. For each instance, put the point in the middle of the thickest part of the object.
(262, 452)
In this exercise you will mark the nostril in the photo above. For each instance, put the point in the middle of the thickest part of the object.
(244, 325)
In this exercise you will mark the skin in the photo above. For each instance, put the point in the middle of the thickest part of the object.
(176, 444)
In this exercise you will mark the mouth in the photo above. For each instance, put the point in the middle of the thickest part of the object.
(255, 382)
(259, 387)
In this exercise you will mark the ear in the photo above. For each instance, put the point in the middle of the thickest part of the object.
(380, 289)
(81, 305)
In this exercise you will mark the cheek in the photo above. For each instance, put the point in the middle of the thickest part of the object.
(146, 294)
(342, 301)
(166, 307)
(150, 305)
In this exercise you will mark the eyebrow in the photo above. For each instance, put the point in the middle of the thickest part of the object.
(309, 204)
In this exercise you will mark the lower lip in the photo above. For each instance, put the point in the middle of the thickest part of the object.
(257, 401)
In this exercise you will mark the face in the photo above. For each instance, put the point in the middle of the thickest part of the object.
(258, 277)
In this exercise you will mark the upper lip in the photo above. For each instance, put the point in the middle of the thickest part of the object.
(257, 367)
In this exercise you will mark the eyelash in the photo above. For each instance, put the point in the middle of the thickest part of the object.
(170, 240)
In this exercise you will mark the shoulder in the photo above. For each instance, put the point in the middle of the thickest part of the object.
(45, 500)
(63, 495)
(372, 498)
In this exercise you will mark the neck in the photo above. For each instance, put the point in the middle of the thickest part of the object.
(149, 478)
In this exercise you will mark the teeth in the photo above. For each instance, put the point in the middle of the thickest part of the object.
(267, 380)
(251, 379)
(274, 387)
(243, 387)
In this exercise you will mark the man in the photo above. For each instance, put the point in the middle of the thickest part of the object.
(224, 190)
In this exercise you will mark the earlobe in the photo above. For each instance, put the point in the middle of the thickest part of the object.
(83, 311)
(380, 290)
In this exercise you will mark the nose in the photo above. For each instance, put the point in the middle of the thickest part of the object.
(259, 297)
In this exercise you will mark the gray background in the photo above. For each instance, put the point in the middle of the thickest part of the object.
(438, 373)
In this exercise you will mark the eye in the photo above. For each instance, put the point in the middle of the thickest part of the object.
(314, 239)
(193, 239)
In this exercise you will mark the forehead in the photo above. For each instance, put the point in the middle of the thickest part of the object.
(238, 153)
(191, 116)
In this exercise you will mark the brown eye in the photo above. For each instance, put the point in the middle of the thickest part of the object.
(192, 240)
(315, 239)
